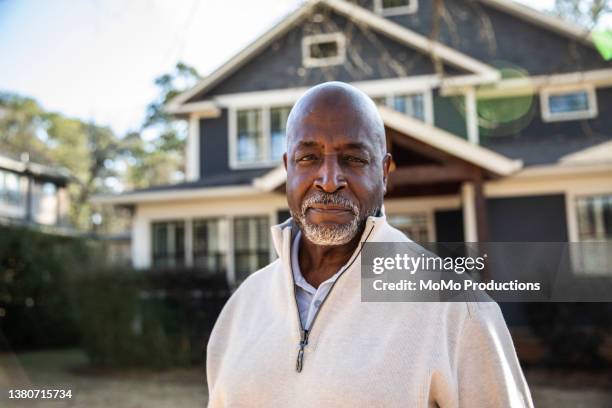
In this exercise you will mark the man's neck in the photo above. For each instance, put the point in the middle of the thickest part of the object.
(318, 263)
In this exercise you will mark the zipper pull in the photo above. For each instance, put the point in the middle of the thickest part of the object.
(300, 357)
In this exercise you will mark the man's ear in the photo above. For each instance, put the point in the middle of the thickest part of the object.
(285, 160)
(387, 160)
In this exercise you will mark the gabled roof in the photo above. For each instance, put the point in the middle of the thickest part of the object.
(36, 169)
(357, 14)
(449, 143)
(424, 133)
(548, 21)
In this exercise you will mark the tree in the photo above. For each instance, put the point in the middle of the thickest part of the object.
(585, 13)
(87, 151)
(157, 150)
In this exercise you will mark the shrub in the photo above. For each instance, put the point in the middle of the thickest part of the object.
(34, 270)
(145, 319)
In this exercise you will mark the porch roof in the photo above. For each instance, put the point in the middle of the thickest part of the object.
(489, 161)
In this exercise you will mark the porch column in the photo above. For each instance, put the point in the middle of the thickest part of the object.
(470, 231)
(189, 242)
(475, 224)
(482, 224)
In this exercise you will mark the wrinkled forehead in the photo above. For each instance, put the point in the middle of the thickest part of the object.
(335, 125)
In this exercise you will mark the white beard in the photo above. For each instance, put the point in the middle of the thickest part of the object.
(328, 235)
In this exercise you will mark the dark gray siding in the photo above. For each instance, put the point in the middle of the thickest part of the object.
(214, 152)
(511, 41)
(449, 114)
(370, 56)
(537, 142)
(527, 219)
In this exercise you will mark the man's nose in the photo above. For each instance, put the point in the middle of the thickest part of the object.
(330, 177)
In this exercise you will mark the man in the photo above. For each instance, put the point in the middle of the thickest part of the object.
(296, 334)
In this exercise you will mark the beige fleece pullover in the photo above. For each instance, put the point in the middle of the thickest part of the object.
(358, 354)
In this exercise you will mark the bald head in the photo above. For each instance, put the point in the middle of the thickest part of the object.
(333, 102)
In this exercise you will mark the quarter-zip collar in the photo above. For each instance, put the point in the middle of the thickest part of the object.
(283, 235)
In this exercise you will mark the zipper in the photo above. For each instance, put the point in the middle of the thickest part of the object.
(299, 364)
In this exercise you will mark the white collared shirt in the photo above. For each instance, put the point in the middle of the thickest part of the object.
(308, 297)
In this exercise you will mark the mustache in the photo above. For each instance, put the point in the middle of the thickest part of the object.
(323, 198)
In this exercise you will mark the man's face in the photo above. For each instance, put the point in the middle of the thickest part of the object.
(336, 174)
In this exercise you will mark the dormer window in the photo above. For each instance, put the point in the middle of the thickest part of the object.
(323, 50)
(395, 7)
(568, 103)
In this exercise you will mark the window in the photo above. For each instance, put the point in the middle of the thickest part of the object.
(415, 225)
(416, 105)
(44, 202)
(395, 7)
(594, 215)
(323, 50)
(250, 140)
(278, 123)
(257, 136)
(168, 244)
(210, 245)
(569, 104)
(594, 218)
(411, 105)
(251, 245)
(10, 189)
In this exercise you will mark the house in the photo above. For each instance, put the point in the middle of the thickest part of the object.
(32, 193)
(499, 119)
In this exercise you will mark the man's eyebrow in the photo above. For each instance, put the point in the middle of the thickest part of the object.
(307, 143)
(355, 145)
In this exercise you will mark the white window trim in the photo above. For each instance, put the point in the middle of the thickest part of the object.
(427, 101)
(307, 41)
(571, 214)
(411, 8)
(548, 116)
(267, 138)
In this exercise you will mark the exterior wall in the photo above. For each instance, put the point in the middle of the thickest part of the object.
(370, 56)
(514, 41)
(449, 114)
(527, 219)
(449, 226)
(537, 142)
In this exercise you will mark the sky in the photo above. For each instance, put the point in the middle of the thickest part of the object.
(97, 59)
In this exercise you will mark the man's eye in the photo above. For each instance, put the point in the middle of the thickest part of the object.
(355, 160)
(307, 158)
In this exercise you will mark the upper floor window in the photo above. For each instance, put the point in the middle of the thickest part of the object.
(322, 50)
(395, 7)
(257, 136)
(250, 137)
(417, 105)
(568, 104)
